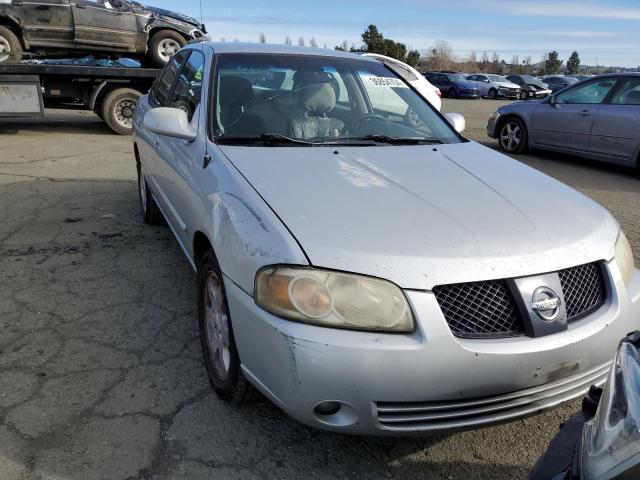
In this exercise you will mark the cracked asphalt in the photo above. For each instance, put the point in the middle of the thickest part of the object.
(101, 374)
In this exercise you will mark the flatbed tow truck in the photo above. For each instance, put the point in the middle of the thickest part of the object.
(111, 92)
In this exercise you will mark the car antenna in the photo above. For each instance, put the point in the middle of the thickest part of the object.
(207, 158)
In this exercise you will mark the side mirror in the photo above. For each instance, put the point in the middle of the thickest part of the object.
(552, 100)
(171, 122)
(457, 121)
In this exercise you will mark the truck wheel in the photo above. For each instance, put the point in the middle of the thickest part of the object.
(164, 45)
(118, 108)
(10, 48)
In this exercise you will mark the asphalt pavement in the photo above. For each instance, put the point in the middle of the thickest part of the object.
(101, 373)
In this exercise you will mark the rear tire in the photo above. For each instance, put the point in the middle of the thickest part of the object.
(164, 45)
(513, 136)
(151, 214)
(10, 48)
(216, 334)
(118, 108)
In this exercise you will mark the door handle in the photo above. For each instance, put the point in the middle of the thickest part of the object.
(81, 5)
(585, 113)
(16, 3)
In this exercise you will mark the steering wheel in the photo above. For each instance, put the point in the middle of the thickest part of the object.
(356, 125)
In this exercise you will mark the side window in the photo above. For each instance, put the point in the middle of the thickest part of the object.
(162, 88)
(186, 94)
(591, 93)
(628, 94)
(473, 78)
(384, 99)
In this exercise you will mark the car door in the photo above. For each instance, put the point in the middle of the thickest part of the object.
(108, 23)
(565, 120)
(157, 168)
(184, 160)
(616, 129)
(45, 22)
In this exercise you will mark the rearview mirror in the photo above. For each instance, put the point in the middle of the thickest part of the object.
(457, 121)
(171, 122)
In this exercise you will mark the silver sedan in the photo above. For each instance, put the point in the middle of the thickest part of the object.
(367, 272)
(597, 118)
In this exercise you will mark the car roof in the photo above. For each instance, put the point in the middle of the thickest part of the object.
(262, 48)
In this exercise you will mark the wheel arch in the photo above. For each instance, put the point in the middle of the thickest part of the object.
(14, 25)
(200, 245)
(159, 27)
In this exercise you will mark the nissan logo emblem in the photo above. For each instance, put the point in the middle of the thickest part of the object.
(546, 304)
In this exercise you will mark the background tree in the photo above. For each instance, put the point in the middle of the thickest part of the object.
(287, 40)
(526, 64)
(413, 57)
(573, 64)
(301, 41)
(343, 47)
(263, 39)
(484, 62)
(496, 66)
(552, 64)
(313, 42)
(373, 40)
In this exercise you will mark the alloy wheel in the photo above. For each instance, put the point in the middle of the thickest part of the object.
(511, 136)
(5, 49)
(167, 48)
(143, 192)
(217, 326)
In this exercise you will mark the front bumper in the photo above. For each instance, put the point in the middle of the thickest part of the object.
(515, 94)
(538, 94)
(468, 94)
(427, 381)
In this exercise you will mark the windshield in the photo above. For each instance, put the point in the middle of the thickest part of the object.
(319, 100)
(498, 78)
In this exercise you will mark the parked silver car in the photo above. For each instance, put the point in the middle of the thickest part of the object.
(367, 273)
(597, 118)
(499, 86)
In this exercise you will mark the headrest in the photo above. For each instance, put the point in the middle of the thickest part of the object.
(235, 89)
(317, 99)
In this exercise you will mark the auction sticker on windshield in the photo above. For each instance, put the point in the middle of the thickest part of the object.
(386, 82)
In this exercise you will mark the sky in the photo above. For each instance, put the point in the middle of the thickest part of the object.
(603, 32)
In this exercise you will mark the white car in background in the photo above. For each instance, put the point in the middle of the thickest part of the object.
(500, 86)
(430, 92)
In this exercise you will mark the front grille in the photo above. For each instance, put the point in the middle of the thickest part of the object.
(584, 290)
(475, 412)
(480, 309)
(489, 310)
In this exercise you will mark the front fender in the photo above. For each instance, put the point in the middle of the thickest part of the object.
(245, 233)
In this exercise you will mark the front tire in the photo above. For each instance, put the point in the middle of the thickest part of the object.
(512, 136)
(164, 45)
(118, 108)
(493, 94)
(10, 48)
(523, 95)
(216, 334)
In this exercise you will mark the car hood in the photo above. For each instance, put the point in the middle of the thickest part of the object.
(422, 216)
(506, 84)
(174, 15)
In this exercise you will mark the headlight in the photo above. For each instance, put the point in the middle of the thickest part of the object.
(624, 258)
(611, 440)
(322, 297)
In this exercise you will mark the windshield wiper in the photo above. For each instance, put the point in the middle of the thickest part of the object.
(398, 140)
(271, 139)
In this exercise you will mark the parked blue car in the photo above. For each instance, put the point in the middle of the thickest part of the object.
(454, 85)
